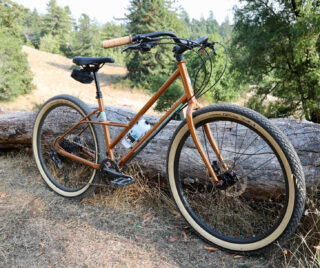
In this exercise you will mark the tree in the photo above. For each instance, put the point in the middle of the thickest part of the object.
(223, 91)
(212, 24)
(111, 30)
(149, 16)
(49, 43)
(150, 69)
(15, 75)
(10, 15)
(276, 48)
(31, 27)
(225, 30)
(86, 41)
(58, 23)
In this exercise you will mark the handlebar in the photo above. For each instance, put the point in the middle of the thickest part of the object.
(139, 37)
(117, 42)
(147, 41)
(136, 38)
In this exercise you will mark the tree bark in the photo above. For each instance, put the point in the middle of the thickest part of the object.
(16, 132)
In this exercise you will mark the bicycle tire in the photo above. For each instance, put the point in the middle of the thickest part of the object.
(237, 219)
(70, 179)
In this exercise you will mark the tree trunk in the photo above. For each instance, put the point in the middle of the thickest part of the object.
(16, 132)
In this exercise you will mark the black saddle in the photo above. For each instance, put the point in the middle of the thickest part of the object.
(89, 60)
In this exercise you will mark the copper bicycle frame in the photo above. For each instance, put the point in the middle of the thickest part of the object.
(110, 144)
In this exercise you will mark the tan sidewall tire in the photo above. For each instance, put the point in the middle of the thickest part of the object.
(68, 100)
(202, 232)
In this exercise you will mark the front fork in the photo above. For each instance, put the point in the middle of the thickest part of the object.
(191, 107)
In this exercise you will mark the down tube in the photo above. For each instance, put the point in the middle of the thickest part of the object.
(146, 107)
(164, 120)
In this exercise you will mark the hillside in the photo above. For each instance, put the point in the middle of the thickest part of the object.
(52, 77)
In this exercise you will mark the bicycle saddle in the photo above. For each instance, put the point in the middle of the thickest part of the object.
(90, 60)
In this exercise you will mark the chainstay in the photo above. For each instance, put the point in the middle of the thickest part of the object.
(93, 152)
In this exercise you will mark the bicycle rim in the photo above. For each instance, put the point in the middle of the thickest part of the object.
(64, 175)
(257, 207)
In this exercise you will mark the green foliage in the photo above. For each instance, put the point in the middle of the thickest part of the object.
(110, 31)
(10, 14)
(57, 23)
(197, 28)
(225, 30)
(31, 27)
(15, 75)
(149, 16)
(276, 48)
(226, 89)
(150, 70)
(57, 32)
(49, 43)
(87, 36)
(86, 40)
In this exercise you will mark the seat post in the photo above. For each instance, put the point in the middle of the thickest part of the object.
(103, 116)
(99, 94)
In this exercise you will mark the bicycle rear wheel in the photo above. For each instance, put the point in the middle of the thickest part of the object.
(265, 198)
(63, 175)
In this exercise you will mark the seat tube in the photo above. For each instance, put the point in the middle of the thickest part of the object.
(192, 105)
(103, 116)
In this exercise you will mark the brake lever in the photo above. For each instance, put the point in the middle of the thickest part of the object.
(210, 45)
(144, 47)
(134, 46)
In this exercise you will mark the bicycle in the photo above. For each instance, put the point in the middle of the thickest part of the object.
(214, 159)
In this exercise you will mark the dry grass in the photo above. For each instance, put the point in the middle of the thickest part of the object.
(140, 193)
(303, 249)
(137, 226)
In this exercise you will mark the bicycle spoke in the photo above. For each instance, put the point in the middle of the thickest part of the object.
(242, 142)
(64, 171)
(237, 143)
(254, 140)
(261, 165)
(224, 129)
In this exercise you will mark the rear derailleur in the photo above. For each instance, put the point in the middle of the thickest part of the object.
(53, 154)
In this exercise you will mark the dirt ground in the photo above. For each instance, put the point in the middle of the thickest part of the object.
(133, 227)
(120, 228)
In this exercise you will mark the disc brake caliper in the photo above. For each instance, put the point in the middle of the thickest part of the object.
(228, 178)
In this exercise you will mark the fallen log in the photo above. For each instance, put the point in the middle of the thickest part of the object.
(16, 132)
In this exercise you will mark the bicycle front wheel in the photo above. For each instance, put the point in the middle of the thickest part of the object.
(63, 175)
(263, 199)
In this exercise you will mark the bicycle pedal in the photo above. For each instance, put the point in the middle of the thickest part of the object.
(122, 181)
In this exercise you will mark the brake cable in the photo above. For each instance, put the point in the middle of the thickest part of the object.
(149, 43)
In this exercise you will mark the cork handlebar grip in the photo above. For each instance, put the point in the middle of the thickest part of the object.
(117, 42)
